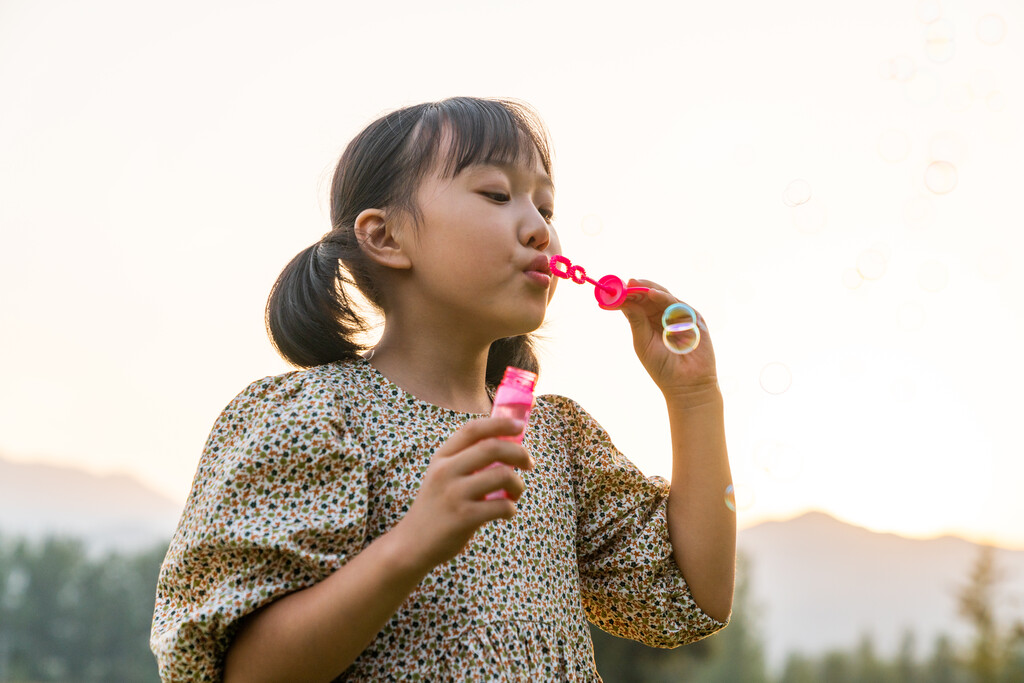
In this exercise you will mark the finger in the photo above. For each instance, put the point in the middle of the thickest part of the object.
(478, 430)
(490, 479)
(661, 298)
(483, 453)
(488, 510)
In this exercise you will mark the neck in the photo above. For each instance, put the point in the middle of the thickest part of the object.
(438, 370)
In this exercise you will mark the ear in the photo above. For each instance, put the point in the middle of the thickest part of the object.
(381, 240)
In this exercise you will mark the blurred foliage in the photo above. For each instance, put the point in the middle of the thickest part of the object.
(66, 616)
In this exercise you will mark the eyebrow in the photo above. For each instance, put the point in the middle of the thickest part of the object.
(512, 168)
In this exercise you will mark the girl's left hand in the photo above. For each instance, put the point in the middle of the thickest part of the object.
(677, 375)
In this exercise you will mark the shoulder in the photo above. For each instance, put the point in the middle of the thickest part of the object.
(320, 386)
(300, 398)
(565, 408)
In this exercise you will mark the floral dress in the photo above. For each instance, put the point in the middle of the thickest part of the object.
(303, 470)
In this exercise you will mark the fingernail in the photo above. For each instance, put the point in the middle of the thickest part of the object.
(519, 424)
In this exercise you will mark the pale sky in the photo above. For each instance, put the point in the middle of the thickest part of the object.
(162, 162)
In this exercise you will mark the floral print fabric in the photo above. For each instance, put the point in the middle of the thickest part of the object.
(303, 470)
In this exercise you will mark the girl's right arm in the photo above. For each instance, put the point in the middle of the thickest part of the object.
(316, 633)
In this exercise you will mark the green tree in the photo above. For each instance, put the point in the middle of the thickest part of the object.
(976, 601)
(944, 666)
(66, 617)
(906, 669)
(799, 669)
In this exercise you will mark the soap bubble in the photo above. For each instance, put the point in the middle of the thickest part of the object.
(809, 218)
(592, 225)
(681, 334)
(933, 276)
(924, 88)
(918, 212)
(991, 29)
(851, 278)
(797, 192)
(940, 177)
(776, 378)
(929, 11)
(871, 264)
(893, 146)
(738, 497)
(938, 41)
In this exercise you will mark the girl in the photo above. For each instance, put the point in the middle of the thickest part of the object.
(337, 526)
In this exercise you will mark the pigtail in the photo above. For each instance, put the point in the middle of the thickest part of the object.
(515, 351)
(309, 318)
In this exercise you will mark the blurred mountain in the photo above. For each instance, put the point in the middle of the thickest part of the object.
(820, 584)
(114, 512)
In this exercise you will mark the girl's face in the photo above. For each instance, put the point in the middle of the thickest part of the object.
(479, 256)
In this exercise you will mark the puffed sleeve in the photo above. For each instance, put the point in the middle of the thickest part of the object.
(630, 582)
(277, 504)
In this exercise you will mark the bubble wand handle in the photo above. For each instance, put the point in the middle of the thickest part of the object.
(680, 333)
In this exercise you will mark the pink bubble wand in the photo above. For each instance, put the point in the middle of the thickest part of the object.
(680, 333)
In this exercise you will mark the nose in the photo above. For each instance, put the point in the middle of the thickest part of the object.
(536, 231)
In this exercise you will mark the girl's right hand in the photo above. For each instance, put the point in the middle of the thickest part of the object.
(450, 506)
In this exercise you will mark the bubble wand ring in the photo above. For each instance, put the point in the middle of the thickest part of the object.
(680, 333)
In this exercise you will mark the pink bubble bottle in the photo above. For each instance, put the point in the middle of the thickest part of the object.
(514, 399)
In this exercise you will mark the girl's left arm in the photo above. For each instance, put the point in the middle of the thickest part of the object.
(701, 527)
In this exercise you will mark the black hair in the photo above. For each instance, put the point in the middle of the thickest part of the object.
(311, 316)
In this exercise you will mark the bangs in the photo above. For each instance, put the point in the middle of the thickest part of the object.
(481, 131)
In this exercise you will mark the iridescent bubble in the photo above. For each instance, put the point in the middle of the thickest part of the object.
(592, 225)
(809, 218)
(995, 101)
(929, 11)
(911, 316)
(893, 146)
(778, 459)
(738, 497)
(991, 29)
(776, 378)
(871, 264)
(933, 276)
(959, 96)
(938, 41)
(918, 212)
(940, 177)
(797, 192)
(924, 88)
(949, 146)
(680, 333)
